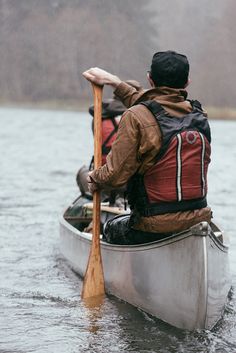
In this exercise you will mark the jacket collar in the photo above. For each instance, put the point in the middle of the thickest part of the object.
(174, 95)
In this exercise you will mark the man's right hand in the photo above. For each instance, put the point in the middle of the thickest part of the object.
(92, 186)
(101, 77)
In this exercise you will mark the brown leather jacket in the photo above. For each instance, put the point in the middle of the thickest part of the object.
(137, 143)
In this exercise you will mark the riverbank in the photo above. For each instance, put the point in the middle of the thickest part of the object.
(66, 105)
(214, 113)
(223, 113)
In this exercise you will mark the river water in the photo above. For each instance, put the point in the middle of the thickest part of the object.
(40, 306)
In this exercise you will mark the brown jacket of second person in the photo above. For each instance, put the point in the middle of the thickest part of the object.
(135, 149)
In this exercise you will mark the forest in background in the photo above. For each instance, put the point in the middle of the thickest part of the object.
(47, 44)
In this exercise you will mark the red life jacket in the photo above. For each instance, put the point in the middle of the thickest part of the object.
(109, 131)
(178, 179)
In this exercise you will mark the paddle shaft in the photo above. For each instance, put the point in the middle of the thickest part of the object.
(97, 93)
(93, 284)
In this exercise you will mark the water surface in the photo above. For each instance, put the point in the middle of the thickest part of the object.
(40, 306)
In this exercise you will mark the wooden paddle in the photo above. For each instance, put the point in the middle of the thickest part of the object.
(94, 279)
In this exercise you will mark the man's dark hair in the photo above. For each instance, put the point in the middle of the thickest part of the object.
(169, 69)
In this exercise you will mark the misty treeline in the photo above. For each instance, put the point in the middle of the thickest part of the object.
(205, 31)
(45, 45)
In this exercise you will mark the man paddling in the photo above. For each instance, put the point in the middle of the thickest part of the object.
(162, 150)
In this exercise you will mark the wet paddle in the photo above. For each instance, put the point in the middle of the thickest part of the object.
(93, 284)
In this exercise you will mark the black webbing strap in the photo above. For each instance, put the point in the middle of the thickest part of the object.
(154, 107)
(172, 207)
(196, 104)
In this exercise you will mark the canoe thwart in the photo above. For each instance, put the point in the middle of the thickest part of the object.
(106, 208)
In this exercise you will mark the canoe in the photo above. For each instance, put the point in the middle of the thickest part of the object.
(183, 279)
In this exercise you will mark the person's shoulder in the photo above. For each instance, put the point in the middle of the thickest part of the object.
(140, 114)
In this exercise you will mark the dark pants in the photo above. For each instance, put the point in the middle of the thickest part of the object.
(118, 231)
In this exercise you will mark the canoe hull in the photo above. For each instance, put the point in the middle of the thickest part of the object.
(183, 280)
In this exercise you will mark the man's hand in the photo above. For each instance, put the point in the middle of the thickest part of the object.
(101, 77)
(92, 186)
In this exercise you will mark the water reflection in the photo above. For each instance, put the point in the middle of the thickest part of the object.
(94, 306)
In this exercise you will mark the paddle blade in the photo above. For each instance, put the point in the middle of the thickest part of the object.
(93, 284)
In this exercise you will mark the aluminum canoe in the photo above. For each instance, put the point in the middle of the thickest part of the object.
(183, 280)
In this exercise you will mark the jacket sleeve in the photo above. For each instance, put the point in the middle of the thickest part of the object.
(122, 161)
(128, 94)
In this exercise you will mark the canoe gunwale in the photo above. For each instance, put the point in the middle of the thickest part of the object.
(218, 243)
(193, 231)
(206, 229)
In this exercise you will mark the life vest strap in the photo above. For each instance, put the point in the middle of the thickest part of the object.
(172, 207)
(154, 107)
